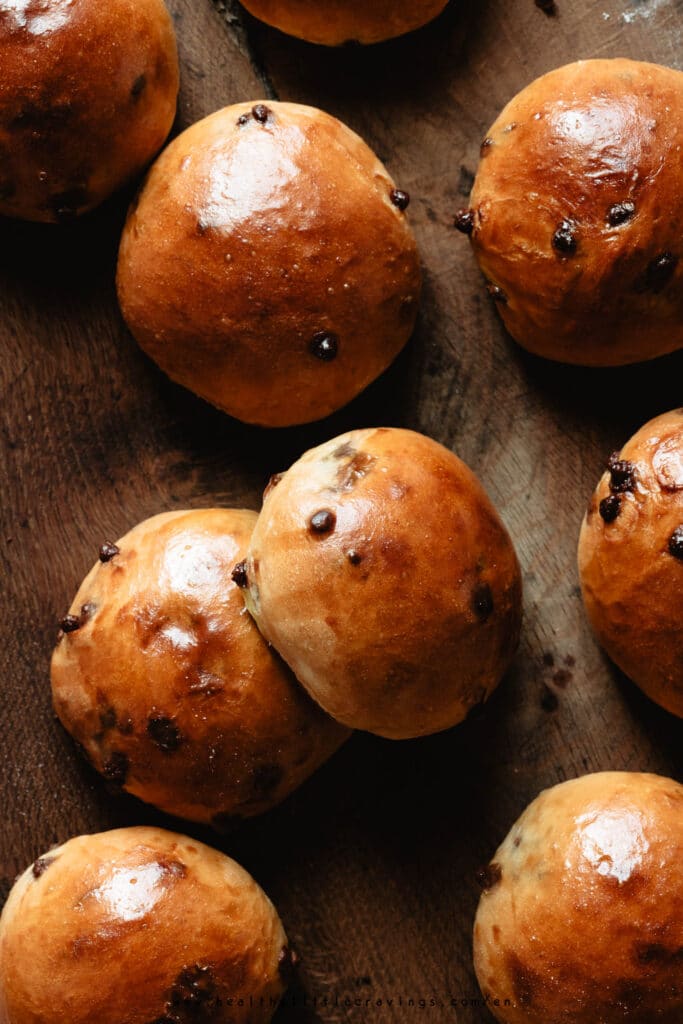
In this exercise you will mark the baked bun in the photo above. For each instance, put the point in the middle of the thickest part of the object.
(334, 22)
(164, 680)
(268, 264)
(631, 560)
(576, 215)
(581, 918)
(381, 572)
(88, 95)
(139, 925)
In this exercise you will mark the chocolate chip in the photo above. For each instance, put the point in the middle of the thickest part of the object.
(676, 543)
(464, 221)
(164, 733)
(399, 198)
(324, 346)
(496, 293)
(107, 719)
(486, 145)
(610, 508)
(87, 611)
(548, 7)
(354, 557)
(108, 551)
(564, 239)
(622, 474)
(243, 119)
(659, 272)
(620, 213)
(115, 768)
(549, 701)
(287, 962)
(65, 205)
(41, 865)
(482, 601)
(194, 989)
(70, 623)
(489, 876)
(260, 113)
(323, 521)
(239, 575)
(138, 87)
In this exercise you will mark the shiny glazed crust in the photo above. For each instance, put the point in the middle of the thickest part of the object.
(631, 579)
(333, 22)
(577, 214)
(262, 231)
(167, 684)
(139, 925)
(87, 97)
(581, 920)
(383, 575)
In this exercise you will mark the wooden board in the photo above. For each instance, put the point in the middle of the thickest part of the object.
(372, 864)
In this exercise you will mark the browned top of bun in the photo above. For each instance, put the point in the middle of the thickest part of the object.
(581, 919)
(138, 925)
(382, 573)
(88, 96)
(341, 21)
(168, 685)
(265, 265)
(631, 563)
(578, 216)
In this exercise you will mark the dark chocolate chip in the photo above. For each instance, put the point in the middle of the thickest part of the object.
(107, 719)
(399, 198)
(354, 557)
(260, 113)
(243, 119)
(549, 701)
(564, 239)
(486, 145)
(194, 989)
(676, 543)
(548, 7)
(138, 87)
(464, 221)
(482, 601)
(287, 963)
(323, 521)
(659, 272)
(87, 612)
(620, 213)
(70, 623)
(239, 575)
(496, 293)
(325, 345)
(41, 865)
(115, 768)
(622, 474)
(164, 733)
(610, 508)
(108, 551)
(490, 875)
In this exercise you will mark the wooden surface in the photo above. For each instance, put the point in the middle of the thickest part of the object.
(372, 864)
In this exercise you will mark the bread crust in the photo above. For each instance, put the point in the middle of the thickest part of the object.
(335, 22)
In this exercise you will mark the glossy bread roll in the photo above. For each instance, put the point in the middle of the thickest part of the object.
(631, 559)
(333, 22)
(381, 572)
(576, 213)
(87, 96)
(581, 918)
(139, 925)
(164, 680)
(269, 265)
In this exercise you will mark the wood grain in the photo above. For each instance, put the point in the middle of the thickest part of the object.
(373, 862)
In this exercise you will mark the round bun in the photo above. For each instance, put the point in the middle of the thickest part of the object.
(166, 683)
(381, 572)
(268, 264)
(631, 559)
(335, 22)
(581, 918)
(576, 214)
(88, 96)
(139, 925)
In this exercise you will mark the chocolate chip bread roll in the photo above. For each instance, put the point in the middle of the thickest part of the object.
(581, 918)
(268, 264)
(381, 572)
(139, 925)
(333, 22)
(87, 97)
(576, 216)
(631, 559)
(163, 679)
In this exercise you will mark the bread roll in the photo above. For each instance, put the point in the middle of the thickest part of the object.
(576, 215)
(581, 918)
(333, 22)
(381, 572)
(164, 680)
(268, 265)
(87, 97)
(631, 559)
(139, 925)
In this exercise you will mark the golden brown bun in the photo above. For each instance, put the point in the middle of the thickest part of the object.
(88, 95)
(168, 685)
(139, 925)
(631, 560)
(265, 265)
(581, 918)
(576, 213)
(381, 572)
(333, 22)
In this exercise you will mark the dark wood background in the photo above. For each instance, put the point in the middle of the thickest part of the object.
(372, 864)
